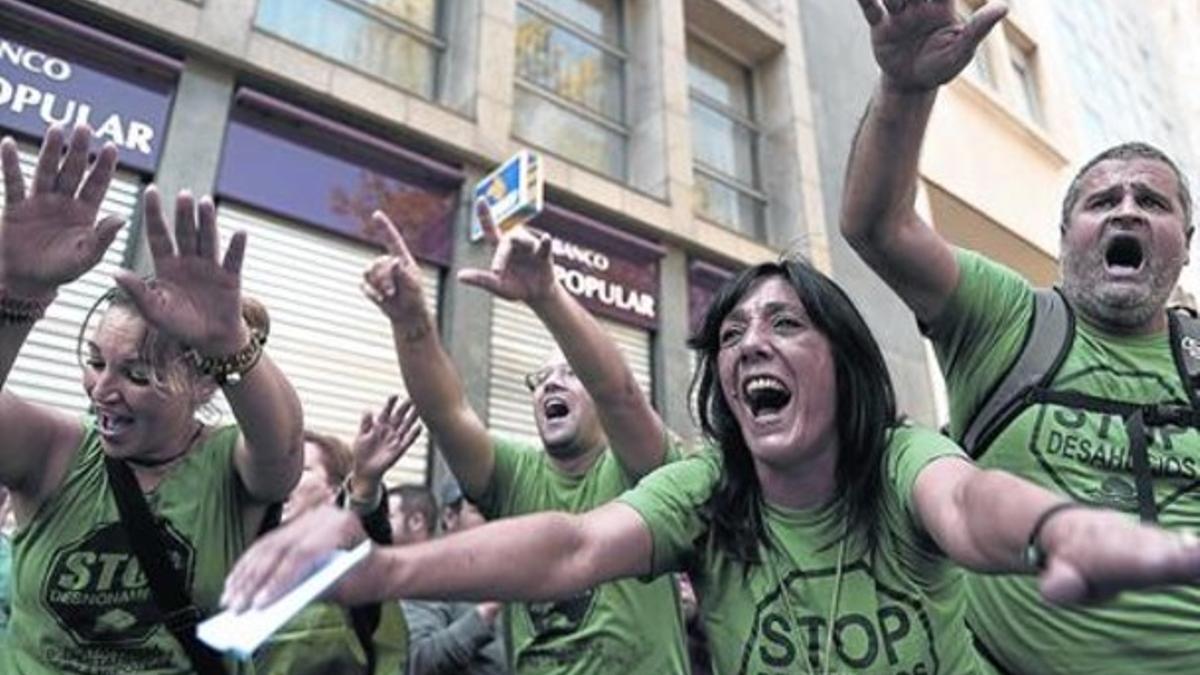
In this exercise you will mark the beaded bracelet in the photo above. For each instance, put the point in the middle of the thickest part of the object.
(230, 369)
(22, 311)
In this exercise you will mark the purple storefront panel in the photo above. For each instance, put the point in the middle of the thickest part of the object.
(613, 273)
(47, 76)
(291, 163)
(704, 280)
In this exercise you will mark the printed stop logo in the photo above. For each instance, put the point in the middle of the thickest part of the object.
(1087, 453)
(97, 592)
(877, 629)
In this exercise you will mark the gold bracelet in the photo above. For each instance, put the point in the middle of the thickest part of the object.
(230, 369)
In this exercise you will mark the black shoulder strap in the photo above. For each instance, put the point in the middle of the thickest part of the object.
(1185, 346)
(167, 588)
(1046, 345)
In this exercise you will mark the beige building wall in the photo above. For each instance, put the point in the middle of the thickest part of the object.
(472, 119)
(993, 174)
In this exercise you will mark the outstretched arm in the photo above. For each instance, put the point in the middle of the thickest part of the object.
(538, 557)
(522, 270)
(919, 45)
(393, 283)
(196, 299)
(984, 519)
(49, 236)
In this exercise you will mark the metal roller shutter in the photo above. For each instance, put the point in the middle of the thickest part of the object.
(331, 342)
(47, 371)
(520, 344)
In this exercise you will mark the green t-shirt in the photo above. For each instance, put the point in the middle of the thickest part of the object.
(899, 611)
(80, 601)
(629, 626)
(5, 585)
(1085, 456)
(321, 639)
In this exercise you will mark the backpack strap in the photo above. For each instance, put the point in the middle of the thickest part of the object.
(1185, 347)
(1047, 341)
(167, 588)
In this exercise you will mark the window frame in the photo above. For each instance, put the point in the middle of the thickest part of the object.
(697, 97)
(1022, 62)
(621, 128)
(435, 42)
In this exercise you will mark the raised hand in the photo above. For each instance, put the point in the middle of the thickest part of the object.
(49, 235)
(194, 297)
(521, 266)
(382, 440)
(1092, 555)
(393, 281)
(923, 44)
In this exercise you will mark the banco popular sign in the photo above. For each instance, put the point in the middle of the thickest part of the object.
(621, 288)
(40, 87)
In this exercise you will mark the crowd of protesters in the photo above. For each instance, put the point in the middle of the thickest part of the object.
(814, 529)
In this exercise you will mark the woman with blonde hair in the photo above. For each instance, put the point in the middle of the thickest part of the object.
(129, 518)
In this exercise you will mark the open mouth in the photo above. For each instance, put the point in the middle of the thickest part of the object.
(1124, 254)
(111, 424)
(766, 395)
(555, 408)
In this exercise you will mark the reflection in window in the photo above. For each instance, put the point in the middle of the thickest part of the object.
(570, 71)
(394, 40)
(724, 141)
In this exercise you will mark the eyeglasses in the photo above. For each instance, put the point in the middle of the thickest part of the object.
(538, 377)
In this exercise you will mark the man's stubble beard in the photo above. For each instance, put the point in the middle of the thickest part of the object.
(1128, 306)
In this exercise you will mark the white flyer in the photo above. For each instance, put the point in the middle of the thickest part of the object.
(240, 634)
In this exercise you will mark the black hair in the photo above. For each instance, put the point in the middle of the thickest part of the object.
(866, 411)
(414, 499)
(1124, 152)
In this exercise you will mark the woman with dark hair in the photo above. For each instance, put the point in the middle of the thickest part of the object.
(821, 534)
(128, 519)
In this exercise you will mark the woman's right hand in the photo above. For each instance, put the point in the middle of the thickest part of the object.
(49, 235)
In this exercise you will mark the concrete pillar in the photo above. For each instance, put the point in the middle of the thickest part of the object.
(466, 318)
(192, 147)
(672, 358)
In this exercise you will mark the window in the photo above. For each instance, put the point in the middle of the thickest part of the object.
(981, 62)
(724, 140)
(394, 40)
(570, 81)
(981, 65)
(1028, 99)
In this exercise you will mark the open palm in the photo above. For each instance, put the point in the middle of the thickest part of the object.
(193, 297)
(383, 438)
(49, 235)
(922, 44)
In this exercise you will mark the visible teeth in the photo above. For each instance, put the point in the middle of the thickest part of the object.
(112, 423)
(760, 383)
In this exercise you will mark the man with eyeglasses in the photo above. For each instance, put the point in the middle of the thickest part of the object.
(599, 436)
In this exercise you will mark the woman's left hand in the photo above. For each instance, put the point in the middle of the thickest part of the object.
(195, 298)
(283, 558)
(382, 440)
(1094, 554)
